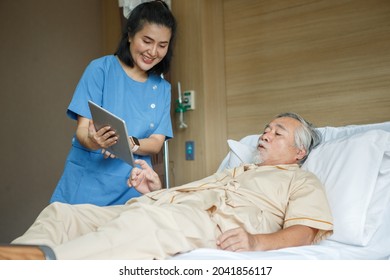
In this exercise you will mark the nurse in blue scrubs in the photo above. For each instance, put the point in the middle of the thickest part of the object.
(130, 85)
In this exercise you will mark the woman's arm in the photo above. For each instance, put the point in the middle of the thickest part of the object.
(150, 145)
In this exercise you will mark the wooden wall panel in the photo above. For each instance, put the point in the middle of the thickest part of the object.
(187, 69)
(112, 17)
(198, 64)
(327, 60)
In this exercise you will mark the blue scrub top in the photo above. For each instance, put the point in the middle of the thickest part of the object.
(145, 107)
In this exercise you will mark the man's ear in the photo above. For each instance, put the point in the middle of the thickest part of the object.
(301, 153)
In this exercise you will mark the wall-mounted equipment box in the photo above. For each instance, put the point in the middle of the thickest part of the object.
(189, 99)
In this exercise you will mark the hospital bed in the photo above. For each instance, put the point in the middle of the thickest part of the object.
(353, 162)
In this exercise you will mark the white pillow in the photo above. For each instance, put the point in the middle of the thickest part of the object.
(328, 133)
(240, 152)
(349, 168)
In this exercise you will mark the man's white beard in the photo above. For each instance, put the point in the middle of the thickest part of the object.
(257, 159)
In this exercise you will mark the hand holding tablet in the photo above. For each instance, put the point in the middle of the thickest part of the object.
(101, 118)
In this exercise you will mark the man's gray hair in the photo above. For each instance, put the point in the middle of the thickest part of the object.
(306, 136)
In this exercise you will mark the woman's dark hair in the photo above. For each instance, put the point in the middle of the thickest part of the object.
(156, 12)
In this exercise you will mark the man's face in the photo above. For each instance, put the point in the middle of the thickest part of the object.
(277, 143)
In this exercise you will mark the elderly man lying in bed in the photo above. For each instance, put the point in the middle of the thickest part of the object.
(269, 205)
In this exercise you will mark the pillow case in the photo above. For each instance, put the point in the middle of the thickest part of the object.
(330, 132)
(240, 152)
(349, 168)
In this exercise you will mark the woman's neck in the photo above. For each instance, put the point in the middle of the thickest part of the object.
(134, 73)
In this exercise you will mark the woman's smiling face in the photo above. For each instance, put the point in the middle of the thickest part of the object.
(149, 46)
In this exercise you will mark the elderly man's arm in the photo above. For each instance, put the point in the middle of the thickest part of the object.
(239, 240)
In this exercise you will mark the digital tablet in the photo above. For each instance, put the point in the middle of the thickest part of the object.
(101, 117)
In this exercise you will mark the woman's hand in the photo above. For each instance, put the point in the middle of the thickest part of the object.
(94, 140)
(103, 138)
(144, 179)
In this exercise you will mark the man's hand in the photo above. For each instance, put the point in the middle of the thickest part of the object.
(144, 179)
(237, 240)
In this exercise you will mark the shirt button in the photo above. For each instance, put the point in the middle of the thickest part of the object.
(151, 125)
(153, 106)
